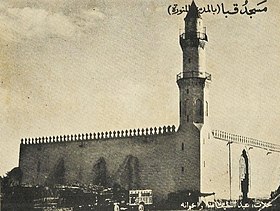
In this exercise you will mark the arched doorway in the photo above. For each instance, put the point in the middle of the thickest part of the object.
(244, 175)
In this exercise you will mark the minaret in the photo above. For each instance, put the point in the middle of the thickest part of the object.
(193, 80)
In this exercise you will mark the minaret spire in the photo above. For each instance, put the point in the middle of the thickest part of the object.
(193, 11)
(193, 40)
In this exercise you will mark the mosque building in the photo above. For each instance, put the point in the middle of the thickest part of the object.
(193, 157)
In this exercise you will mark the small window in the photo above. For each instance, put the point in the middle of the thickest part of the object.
(187, 91)
(183, 146)
(182, 169)
(188, 118)
(204, 163)
(189, 60)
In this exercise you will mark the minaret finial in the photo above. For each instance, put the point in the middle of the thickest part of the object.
(193, 11)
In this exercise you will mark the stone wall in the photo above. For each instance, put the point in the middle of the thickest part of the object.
(155, 161)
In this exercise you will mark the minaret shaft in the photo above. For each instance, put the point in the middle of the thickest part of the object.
(193, 79)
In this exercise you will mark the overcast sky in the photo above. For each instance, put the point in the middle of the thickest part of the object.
(69, 67)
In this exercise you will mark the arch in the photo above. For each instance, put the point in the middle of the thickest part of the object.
(244, 175)
(128, 174)
(100, 172)
(199, 107)
(57, 175)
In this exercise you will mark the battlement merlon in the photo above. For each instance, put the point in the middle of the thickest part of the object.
(233, 138)
(152, 131)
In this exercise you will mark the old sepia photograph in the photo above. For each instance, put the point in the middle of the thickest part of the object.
(139, 105)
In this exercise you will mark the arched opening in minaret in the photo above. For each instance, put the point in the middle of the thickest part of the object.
(199, 107)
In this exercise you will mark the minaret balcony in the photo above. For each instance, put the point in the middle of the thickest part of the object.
(193, 74)
(198, 35)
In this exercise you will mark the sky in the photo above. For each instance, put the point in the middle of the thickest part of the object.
(70, 67)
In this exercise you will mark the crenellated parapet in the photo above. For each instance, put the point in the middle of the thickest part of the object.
(233, 138)
(143, 132)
